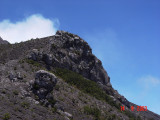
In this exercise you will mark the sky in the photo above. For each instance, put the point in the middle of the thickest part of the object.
(123, 34)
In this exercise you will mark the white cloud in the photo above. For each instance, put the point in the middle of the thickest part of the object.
(149, 81)
(34, 26)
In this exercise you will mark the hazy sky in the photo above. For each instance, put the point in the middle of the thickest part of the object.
(124, 34)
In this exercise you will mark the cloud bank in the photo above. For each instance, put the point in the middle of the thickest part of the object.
(149, 81)
(34, 26)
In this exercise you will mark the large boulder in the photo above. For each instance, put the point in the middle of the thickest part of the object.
(43, 85)
(15, 76)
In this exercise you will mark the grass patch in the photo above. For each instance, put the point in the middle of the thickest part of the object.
(111, 117)
(92, 111)
(32, 62)
(131, 115)
(25, 105)
(52, 101)
(6, 116)
(57, 87)
(91, 88)
(54, 109)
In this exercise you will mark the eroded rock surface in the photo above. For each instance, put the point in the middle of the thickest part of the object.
(15, 76)
(21, 98)
(43, 85)
(71, 52)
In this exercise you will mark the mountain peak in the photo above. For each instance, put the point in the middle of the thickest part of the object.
(60, 72)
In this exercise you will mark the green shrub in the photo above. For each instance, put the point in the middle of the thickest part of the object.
(54, 109)
(54, 46)
(81, 83)
(32, 62)
(21, 61)
(92, 111)
(25, 105)
(130, 114)
(36, 86)
(15, 92)
(87, 86)
(25, 76)
(113, 116)
(57, 87)
(6, 116)
(110, 117)
(52, 101)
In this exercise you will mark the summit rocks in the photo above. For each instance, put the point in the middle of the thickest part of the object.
(71, 52)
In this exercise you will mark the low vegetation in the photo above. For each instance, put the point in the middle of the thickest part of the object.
(25, 105)
(32, 62)
(6, 116)
(131, 115)
(91, 88)
(94, 111)
(87, 86)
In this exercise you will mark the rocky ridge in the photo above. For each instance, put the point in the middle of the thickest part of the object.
(30, 68)
(3, 41)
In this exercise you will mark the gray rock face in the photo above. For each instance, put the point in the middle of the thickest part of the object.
(71, 52)
(43, 86)
(15, 76)
(48, 59)
(3, 41)
(63, 50)
(35, 55)
(45, 80)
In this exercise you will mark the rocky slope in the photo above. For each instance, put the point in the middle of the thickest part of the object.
(3, 41)
(58, 77)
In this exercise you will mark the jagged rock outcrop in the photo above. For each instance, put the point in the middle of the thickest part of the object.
(63, 50)
(71, 52)
(15, 76)
(3, 41)
(43, 86)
